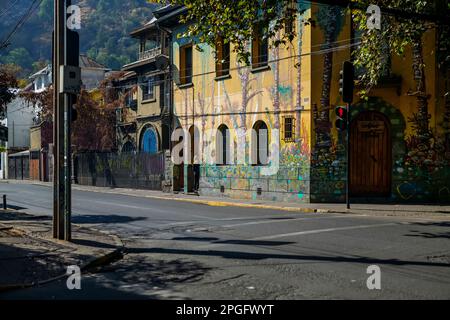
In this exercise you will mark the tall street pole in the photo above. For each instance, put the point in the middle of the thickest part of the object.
(347, 185)
(61, 128)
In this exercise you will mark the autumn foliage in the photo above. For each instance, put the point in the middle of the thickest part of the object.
(7, 81)
(94, 128)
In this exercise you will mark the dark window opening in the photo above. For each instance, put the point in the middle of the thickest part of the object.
(186, 64)
(223, 145)
(222, 58)
(148, 90)
(260, 144)
(260, 50)
(289, 129)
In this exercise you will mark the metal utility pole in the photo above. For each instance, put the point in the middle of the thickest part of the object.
(66, 83)
(346, 88)
(347, 184)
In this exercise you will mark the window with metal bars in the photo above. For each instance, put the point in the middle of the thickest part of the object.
(148, 90)
(289, 129)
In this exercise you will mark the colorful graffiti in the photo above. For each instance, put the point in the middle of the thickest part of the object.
(313, 165)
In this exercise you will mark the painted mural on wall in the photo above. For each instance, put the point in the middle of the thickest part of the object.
(313, 165)
(328, 163)
(424, 171)
(214, 103)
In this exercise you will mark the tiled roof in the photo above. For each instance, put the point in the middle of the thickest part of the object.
(86, 62)
(43, 71)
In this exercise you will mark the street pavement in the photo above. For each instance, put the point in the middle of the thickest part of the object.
(29, 255)
(189, 250)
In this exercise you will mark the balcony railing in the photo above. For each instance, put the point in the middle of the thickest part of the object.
(149, 54)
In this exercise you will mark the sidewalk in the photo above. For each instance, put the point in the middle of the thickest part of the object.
(30, 256)
(389, 209)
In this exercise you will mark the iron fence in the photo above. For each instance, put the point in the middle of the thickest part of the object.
(120, 170)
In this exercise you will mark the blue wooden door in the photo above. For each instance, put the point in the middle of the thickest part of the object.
(150, 141)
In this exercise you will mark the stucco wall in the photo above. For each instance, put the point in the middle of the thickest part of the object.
(313, 168)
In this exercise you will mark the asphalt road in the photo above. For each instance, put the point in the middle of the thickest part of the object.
(185, 250)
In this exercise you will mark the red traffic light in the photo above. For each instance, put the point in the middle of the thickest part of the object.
(341, 112)
(341, 118)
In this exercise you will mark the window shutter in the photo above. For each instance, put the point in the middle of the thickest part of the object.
(255, 49)
(182, 65)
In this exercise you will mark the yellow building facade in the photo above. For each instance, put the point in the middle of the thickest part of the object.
(294, 90)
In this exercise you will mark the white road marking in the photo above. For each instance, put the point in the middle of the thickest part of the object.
(290, 220)
(300, 233)
(284, 235)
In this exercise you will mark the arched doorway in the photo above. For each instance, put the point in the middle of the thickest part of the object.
(178, 169)
(149, 140)
(194, 166)
(223, 145)
(260, 144)
(370, 155)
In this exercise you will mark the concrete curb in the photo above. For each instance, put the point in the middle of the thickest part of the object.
(215, 203)
(212, 203)
(95, 262)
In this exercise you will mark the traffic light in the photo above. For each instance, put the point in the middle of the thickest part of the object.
(341, 118)
(73, 60)
(73, 48)
(346, 82)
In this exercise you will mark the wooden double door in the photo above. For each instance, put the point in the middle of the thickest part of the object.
(370, 155)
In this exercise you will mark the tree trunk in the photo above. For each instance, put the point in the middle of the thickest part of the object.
(324, 135)
(276, 98)
(298, 107)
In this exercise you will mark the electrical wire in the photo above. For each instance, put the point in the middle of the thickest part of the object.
(319, 52)
(5, 43)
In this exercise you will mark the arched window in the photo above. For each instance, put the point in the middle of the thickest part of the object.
(223, 145)
(260, 143)
(149, 140)
(128, 147)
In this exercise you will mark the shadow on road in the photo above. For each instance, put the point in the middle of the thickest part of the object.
(91, 243)
(145, 276)
(261, 256)
(240, 242)
(82, 219)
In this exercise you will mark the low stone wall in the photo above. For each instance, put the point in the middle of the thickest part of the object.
(247, 182)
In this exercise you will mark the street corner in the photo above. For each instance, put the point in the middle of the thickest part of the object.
(31, 257)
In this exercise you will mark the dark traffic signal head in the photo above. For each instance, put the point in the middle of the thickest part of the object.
(73, 48)
(346, 82)
(341, 118)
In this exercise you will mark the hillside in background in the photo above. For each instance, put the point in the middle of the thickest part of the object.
(104, 35)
